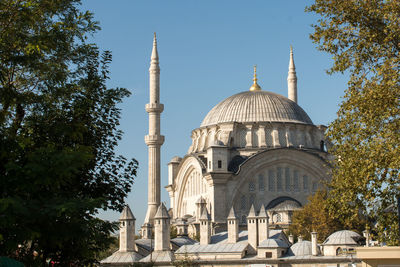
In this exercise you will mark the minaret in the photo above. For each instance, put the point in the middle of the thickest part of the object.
(292, 78)
(154, 139)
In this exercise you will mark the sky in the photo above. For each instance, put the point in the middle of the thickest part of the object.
(207, 51)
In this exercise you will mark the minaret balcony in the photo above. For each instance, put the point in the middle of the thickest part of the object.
(154, 139)
(154, 108)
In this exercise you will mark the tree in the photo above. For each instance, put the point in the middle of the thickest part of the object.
(58, 133)
(314, 217)
(364, 38)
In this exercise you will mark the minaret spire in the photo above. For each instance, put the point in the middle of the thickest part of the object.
(292, 78)
(154, 139)
(255, 86)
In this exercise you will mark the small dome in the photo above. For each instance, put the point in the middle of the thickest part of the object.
(302, 248)
(344, 237)
(273, 243)
(256, 106)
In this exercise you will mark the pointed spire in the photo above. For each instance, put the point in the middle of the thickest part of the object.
(255, 86)
(154, 53)
(292, 67)
(292, 78)
(204, 215)
(262, 213)
(127, 214)
(252, 212)
(201, 200)
(161, 212)
(232, 214)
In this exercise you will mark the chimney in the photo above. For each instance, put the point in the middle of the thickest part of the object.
(314, 246)
(300, 238)
(205, 228)
(367, 236)
(262, 220)
(233, 227)
(252, 231)
(291, 239)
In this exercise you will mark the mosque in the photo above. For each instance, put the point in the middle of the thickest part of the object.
(254, 159)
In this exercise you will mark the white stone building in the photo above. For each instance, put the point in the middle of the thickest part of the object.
(255, 147)
(255, 159)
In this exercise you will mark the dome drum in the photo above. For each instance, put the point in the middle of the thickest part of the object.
(259, 135)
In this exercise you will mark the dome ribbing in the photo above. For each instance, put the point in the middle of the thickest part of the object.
(256, 106)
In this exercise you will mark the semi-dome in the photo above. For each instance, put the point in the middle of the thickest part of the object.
(256, 106)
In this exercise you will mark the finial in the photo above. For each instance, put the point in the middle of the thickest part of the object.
(155, 39)
(255, 86)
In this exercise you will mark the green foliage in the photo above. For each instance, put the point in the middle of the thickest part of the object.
(364, 38)
(173, 232)
(58, 131)
(114, 246)
(185, 262)
(314, 217)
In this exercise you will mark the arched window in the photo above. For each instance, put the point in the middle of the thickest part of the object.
(252, 186)
(287, 180)
(282, 137)
(277, 217)
(252, 199)
(243, 203)
(279, 186)
(296, 186)
(271, 181)
(244, 219)
(261, 185)
(314, 186)
(305, 183)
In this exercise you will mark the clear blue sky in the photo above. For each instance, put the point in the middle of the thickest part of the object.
(207, 49)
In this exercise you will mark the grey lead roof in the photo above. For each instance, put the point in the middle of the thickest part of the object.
(122, 257)
(302, 248)
(344, 237)
(159, 256)
(258, 106)
(183, 240)
(273, 243)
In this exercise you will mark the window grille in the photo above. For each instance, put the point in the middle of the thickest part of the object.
(271, 181)
(252, 186)
(305, 183)
(279, 186)
(287, 180)
(252, 199)
(296, 181)
(261, 185)
(243, 202)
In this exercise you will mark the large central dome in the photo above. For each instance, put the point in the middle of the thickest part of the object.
(256, 106)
